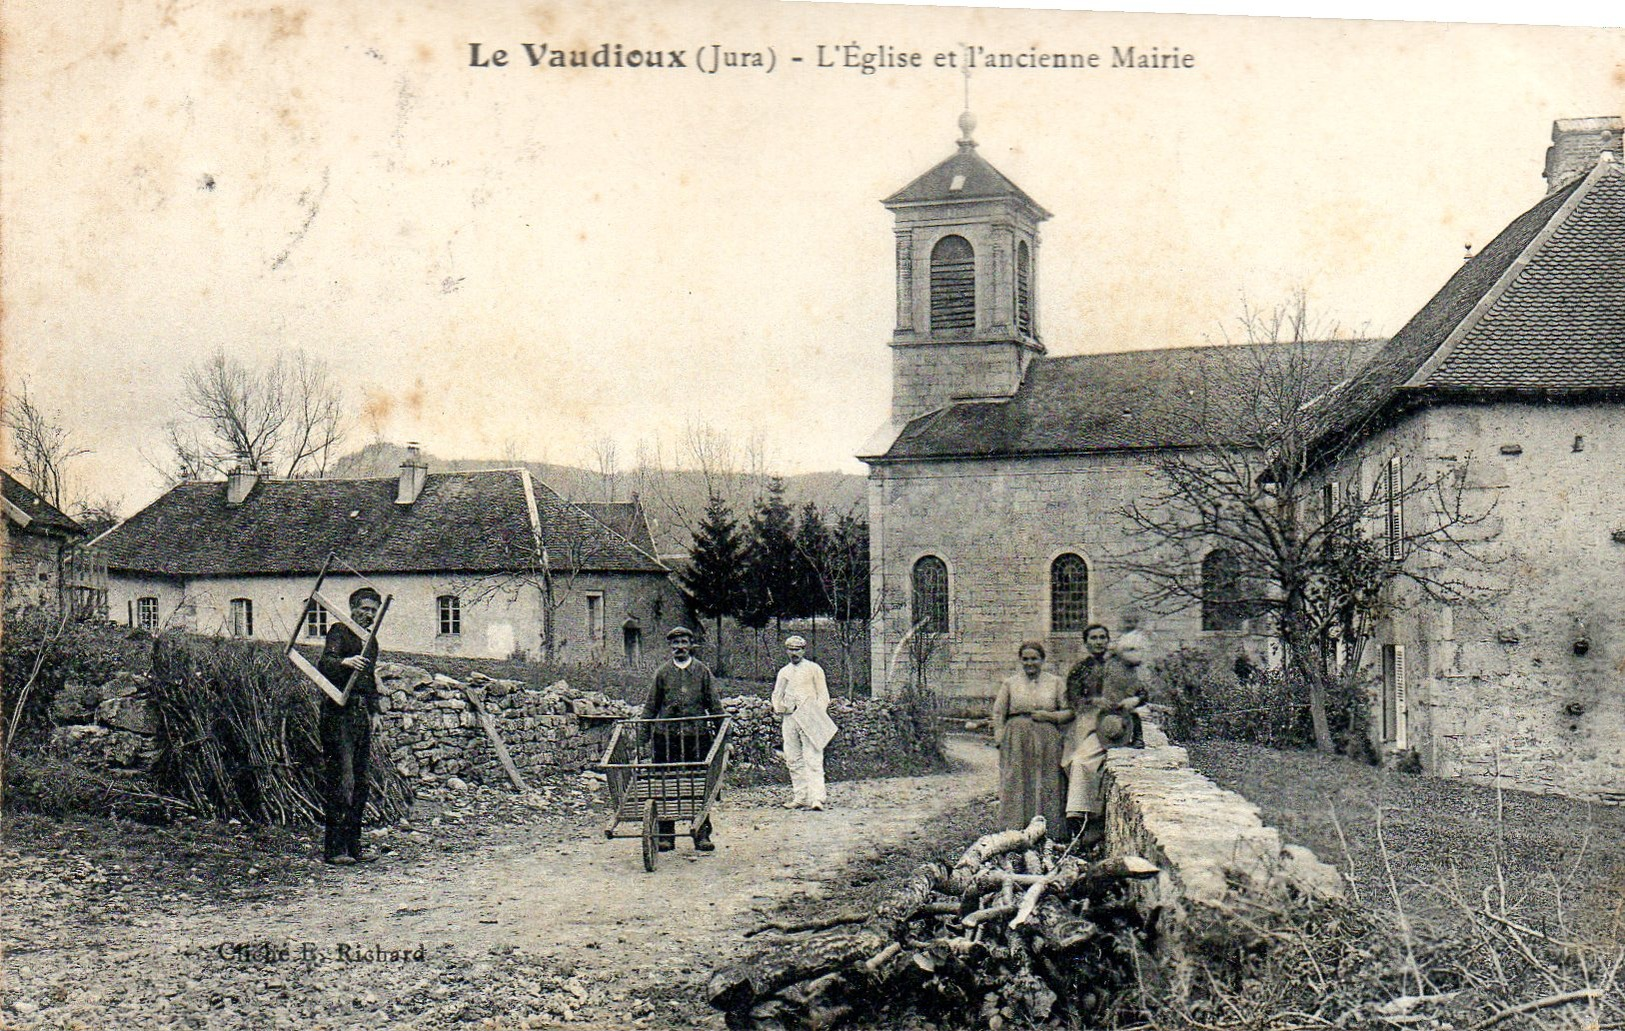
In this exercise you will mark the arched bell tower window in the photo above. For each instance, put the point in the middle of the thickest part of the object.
(953, 284)
(1024, 290)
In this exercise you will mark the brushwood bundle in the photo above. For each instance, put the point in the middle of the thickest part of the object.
(237, 732)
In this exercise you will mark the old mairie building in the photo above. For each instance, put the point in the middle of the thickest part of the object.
(996, 491)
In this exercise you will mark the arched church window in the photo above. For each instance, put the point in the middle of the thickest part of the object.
(1024, 290)
(1222, 607)
(930, 608)
(953, 284)
(1068, 594)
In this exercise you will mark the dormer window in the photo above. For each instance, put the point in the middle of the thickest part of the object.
(953, 284)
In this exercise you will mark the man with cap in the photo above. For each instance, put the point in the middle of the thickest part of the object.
(801, 696)
(682, 687)
(346, 731)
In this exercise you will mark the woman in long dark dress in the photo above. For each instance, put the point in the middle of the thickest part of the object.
(1027, 716)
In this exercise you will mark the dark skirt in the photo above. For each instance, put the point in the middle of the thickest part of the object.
(1030, 775)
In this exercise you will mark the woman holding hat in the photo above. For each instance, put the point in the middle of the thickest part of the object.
(1027, 716)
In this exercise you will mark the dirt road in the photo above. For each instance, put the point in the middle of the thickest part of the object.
(541, 926)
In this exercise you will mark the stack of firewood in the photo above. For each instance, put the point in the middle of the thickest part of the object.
(1018, 932)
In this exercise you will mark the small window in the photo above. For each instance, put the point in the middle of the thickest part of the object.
(953, 284)
(1068, 594)
(450, 611)
(930, 610)
(316, 621)
(146, 614)
(242, 617)
(595, 620)
(1222, 607)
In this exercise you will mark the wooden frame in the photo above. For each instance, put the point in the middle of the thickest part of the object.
(342, 614)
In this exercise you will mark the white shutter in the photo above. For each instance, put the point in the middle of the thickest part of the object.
(1396, 508)
(1400, 698)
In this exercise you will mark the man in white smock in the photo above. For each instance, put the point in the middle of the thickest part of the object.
(801, 696)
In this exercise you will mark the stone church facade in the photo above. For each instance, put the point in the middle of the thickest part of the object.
(997, 488)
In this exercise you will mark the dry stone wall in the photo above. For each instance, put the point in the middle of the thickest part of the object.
(434, 732)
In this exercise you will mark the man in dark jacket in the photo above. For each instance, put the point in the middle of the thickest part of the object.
(347, 732)
(682, 687)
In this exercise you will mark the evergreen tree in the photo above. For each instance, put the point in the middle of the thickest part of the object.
(714, 578)
(771, 565)
(849, 584)
(812, 596)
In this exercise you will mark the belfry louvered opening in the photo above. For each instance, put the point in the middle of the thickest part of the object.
(953, 284)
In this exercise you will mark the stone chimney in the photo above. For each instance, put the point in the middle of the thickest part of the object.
(413, 472)
(1576, 145)
(240, 482)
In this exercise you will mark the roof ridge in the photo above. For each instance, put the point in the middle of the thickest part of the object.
(1210, 347)
(1509, 275)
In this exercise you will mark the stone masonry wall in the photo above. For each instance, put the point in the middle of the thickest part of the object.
(998, 525)
(1202, 837)
(434, 733)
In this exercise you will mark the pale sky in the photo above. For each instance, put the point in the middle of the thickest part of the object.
(548, 257)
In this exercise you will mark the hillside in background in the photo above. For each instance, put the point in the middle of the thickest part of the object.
(673, 499)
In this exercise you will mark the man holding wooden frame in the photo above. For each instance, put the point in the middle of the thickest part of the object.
(346, 727)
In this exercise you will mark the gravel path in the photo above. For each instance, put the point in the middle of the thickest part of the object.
(495, 912)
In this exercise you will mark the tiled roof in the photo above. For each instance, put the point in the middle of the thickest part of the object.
(1110, 402)
(625, 518)
(462, 522)
(980, 181)
(43, 516)
(1541, 310)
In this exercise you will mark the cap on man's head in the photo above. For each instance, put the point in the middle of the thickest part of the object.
(679, 632)
(795, 641)
(361, 594)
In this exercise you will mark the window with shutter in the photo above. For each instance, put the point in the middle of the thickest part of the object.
(1396, 510)
(1394, 694)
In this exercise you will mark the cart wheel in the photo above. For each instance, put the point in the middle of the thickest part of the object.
(651, 848)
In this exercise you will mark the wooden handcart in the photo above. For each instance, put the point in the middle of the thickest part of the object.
(664, 770)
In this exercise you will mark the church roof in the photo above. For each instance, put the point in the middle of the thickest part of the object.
(1126, 401)
(1540, 311)
(461, 522)
(977, 179)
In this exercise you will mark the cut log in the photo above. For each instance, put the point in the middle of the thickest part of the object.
(896, 909)
(737, 988)
(822, 923)
(982, 916)
(991, 845)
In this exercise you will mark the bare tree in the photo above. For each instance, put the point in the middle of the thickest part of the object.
(285, 414)
(1265, 521)
(607, 464)
(549, 563)
(42, 447)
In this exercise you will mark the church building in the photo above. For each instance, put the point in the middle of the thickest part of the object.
(997, 488)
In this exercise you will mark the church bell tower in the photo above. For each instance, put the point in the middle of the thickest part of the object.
(967, 284)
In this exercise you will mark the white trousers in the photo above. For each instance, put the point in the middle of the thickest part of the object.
(806, 765)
